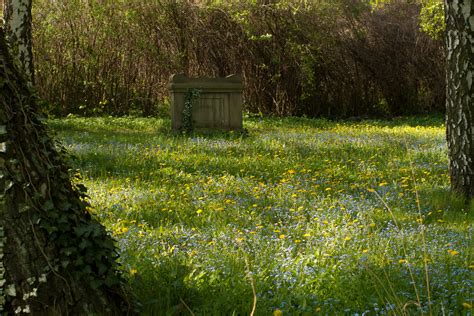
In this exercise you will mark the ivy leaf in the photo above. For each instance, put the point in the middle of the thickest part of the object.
(111, 280)
(68, 251)
(48, 205)
(8, 185)
(95, 283)
(84, 244)
(83, 230)
(64, 206)
(102, 268)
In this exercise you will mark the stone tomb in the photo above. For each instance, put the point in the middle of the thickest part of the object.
(218, 104)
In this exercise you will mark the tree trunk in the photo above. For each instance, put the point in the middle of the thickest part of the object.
(55, 259)
(17, 17)
(460, 95)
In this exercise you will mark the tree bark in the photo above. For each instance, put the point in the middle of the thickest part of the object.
(55, 259)
(17, 18)
(460, 95)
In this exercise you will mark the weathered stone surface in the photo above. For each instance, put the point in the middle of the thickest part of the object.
(219, 105)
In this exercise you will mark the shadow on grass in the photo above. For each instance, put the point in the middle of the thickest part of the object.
(163, 289)
(369, 288)
(446, 206)
(326, 124)
(111, 125)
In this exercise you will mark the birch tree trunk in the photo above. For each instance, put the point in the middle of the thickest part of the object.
(17, 18)
(460, 95)
(55, 259)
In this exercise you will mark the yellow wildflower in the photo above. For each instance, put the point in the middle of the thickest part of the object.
(467, 305)
(277, 312)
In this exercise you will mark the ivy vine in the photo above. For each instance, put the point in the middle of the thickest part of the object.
(189, 100)
(39, 188)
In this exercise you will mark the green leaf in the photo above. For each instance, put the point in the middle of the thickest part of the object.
(48, 205)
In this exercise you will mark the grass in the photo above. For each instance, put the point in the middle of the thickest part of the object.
(301, 216)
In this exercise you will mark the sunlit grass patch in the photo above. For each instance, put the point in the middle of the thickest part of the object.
(319, 216)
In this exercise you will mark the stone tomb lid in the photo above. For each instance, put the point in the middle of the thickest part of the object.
(182, 83)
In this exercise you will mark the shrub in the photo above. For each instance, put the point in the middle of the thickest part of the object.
(327, 58)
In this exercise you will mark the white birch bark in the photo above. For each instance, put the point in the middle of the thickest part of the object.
(460, 94)
(17, 23)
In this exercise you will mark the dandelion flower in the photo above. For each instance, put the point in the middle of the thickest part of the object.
(277, 312)
(467, 305)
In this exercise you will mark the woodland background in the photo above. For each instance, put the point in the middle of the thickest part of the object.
(335, 59)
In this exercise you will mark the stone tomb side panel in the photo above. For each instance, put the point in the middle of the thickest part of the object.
(212, 110)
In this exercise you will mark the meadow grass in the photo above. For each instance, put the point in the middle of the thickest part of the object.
(299, 216)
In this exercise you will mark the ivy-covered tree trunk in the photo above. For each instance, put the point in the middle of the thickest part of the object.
(17, 17)
(55, 258)
(460, 94)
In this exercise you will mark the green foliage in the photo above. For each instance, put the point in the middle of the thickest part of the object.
(189, 100)
(432, 18)
(293, 208)
(314, 58)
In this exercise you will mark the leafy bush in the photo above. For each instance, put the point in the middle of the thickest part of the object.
(432, 18)
(327, 58)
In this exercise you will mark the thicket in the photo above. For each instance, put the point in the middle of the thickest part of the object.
(317, 58)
